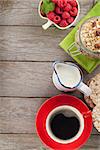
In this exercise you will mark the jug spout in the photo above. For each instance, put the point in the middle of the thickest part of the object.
(55, 63)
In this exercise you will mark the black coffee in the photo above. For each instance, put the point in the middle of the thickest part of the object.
(64, 127)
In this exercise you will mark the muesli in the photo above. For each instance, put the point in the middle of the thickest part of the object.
(90, 34)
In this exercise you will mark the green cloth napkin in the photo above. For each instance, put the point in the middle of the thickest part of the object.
(89, 64)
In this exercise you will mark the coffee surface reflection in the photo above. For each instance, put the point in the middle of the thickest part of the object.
(64, 127)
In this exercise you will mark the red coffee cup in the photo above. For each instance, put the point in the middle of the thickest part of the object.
(68, 105)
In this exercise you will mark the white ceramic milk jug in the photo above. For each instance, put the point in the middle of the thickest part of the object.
(68, 77)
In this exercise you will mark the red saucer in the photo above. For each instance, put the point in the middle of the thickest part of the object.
(47, 107)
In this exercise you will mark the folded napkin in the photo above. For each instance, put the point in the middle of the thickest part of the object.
(89, 64)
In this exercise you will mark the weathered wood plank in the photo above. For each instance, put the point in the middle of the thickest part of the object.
(29, 79)
(30, 3)
(92, 144)
(32, 142)
(18, 4)
(85, 6)
(22, 13)
(17, 115)
(31, 44)
(26, 79)
(20, 17)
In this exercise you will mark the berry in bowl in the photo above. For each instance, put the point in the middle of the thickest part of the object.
(61, 13)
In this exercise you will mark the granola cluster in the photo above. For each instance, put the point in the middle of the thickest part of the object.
(90, 34)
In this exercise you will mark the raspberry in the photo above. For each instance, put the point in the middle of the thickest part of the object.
(58, 10)
(63, 23)
(55, 1)
(70, 20)
(62, 3)
(68, 7)
(65, 15)
(51, 15)
(74, 11)
(72, 2)
(57, 19)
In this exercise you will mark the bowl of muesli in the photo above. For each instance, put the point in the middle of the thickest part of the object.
(87, 38)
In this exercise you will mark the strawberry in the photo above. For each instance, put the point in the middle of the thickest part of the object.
(74, 12)
(54, 1)
(51, 15)
(62, 3)
(72, 2)
(65, 15)
(63, 23)
(68, 7)
(57, 19)
(70, 20)
(58, 10)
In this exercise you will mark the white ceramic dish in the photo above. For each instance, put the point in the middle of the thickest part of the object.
(49, 22)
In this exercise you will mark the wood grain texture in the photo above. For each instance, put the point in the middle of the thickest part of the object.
(26, 79)
(17, 115)
(32, 142)
(31, 44)
(22, 39)
(14, 4)
(23, 13)
(93, 143)
(19, 4)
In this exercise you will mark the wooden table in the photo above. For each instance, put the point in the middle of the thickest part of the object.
(26, 56)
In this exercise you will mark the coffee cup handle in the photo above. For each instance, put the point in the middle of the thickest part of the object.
(47, 25)
(87, 114)
(84, 89)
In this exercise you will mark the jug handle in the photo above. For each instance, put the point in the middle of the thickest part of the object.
(87, 114)
(84, 89)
